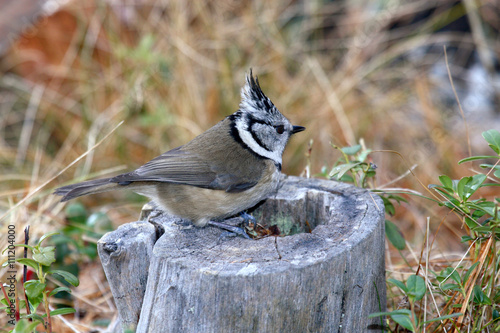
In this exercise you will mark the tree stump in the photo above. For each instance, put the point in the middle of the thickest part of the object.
(328, 275)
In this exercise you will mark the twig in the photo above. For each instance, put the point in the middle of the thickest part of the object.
(413, 167)
(25, 268)
(5, 295)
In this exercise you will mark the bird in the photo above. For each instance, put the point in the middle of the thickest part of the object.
(224, 171)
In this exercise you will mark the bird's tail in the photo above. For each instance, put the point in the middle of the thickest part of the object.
(89, 187)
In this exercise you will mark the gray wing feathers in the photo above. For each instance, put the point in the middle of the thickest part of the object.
(170, 171)
(91, 186)
(181, 167)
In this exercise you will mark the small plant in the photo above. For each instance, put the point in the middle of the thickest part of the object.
(354, 166)
(76, 242)
(37, 291)
(470, 293)
(414, 291)
(475, 289)
(78, 238)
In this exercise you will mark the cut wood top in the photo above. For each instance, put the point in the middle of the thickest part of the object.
(340, 216)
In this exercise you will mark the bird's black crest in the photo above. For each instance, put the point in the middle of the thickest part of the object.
(253, 98)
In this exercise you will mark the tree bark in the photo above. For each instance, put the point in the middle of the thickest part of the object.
(125, 255)
(328, 276)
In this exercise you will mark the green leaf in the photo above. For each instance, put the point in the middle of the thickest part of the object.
(398, 198)
(340, 170)
(474, 184)
(388, 199)
(389, 208)
(446, 181)
(403, 319)
(99, 222)
(452, 204)
(482, 229)
(461, 187)
(489, 166)
(496, 172)
(492, 136)
(451, 286)
(23, 326)
(466, 239)
(73, 280)
(468, 273)
(481, 208)
(388, 313)
(22, 245)
(378, 314)
(480, 297)
(470, 223)
(346, 178)
(35, 316)
(335, 170)
(453, 315)
(364, 154)
(28, 262)
(76, 212)
(398, 284)
(394, 235)
(61, 239)
(448, 273)
(59, 289)
(45, 255)
(416, 287)
(446, 194)
(352, 150)
(474, 158)
(47, 236)
(62, 311)
(495, 314)
(34, 288)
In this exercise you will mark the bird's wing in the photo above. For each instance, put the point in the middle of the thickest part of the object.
(182, 167)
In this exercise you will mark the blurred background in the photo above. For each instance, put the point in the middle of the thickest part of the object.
(375, 71)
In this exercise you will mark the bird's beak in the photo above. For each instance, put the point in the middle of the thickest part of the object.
(297, 129)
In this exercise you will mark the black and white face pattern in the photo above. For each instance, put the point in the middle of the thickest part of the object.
(258, 124)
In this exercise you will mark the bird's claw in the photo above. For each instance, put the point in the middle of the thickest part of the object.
(237, 231)
(247, 218)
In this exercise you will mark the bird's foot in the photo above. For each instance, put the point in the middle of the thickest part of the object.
(247, 218)
(231, 230)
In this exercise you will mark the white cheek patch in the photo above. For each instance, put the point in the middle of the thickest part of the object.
(246, 137)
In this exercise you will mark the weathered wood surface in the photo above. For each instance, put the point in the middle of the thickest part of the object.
(328, 278)
(125, 255)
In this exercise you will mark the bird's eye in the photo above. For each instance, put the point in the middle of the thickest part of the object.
(280, 129)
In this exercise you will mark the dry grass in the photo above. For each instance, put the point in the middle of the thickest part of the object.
(170, 70)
